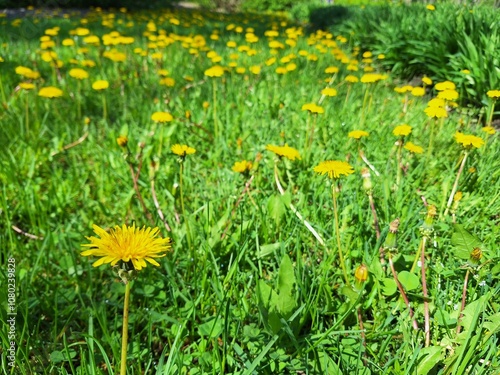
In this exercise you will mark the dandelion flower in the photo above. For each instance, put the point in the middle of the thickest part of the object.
(215, 71)
(50, 92)
(161, 117)
(334, 168)
(329, 91)
(418, 91)
(495, 94)
(437, 112)
(26, 85)
(127, 244)
(430, 7)
(332, 70)
(488, 130)
(426, 80)
(313, 108)
(100, 85)
(78, 73)
(351, 79)
(182, 150)
(446, 85)
(357, 134)
(448, 95)
(286, 151)
(413, 148)
(402, 130)
(468, 140)
(122, 141)
(242, 166)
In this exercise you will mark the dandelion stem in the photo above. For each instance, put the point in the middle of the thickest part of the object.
(216, 127)
(27, 119)
(188, 231)
(455, 185)
(431, 139)
(399, 161)
(427, 331)
(337, 232)
(402, 291)
(123, 362)
(464, 296)
(78, 102)
(347, 95)
(490, 115)
(4, 98)
(104, 110)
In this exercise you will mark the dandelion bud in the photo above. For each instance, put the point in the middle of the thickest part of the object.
(367, 182)
(361, 273)
(476, 255)
(206, 105)
(390, 243)
(122, 141)
(427, 227)
(458, 196)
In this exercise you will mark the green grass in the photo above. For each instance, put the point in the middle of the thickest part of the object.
(266, 297)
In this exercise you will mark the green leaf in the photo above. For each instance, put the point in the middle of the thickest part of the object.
(409, 280)
(267, 249)
(286, 280)
(429, 358)
(276, 208)
(212, 328)
(389, 287)
(464, 242)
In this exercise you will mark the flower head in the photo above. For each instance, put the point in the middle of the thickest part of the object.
(334, 168)
(50, 92)
(286, 151)
(313, 108)
(351, 79)
(329, 91)
(468, 140)
(127, 244)
(361, 273)
(495, 94)
(26, 85)
(100, 85)
(445, 85)
(215, 71)
(357, 134)
(488, 130)
(161, 117)
(182, 150)
(418, 91)
(122, 141)
(78, 73)
(402, 130)
(437, 112)
(413, 148)
(242, 166)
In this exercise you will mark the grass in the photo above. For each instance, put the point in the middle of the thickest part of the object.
(257, 293)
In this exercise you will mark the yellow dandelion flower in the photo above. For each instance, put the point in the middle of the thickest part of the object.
(437, 112)
(332, 70)
(413, 148)
(426, 80)
(446, 85)
(127, 244)
(215, 71)
(26, 86)
(255, 69)
(430, 7)
(242, 166)
(286, 151)
(161, 117)
(468, 140)
(78, 73)
(458, 196)
(357, 134)
(182, 150)
(122, 141)
(372, 77)
(361, 273)
(329, 91)
(495, 94)
(351, 79)
(418, 91)
(488, 130)
(313, 108)
(50, 92)
(334, 168)
(448, 95)
(402, 130)
(100, 85)
(167, 81)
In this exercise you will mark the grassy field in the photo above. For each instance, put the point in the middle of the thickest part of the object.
(382, 262)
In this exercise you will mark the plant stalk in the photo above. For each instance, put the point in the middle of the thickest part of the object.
(123, 362)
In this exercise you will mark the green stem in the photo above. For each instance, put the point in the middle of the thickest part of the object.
(188, 232)
(490, 115)
(347, 95)
(78, 103)
(399, 166)
(216, 127)
(123, 363)
(104, 110)
(337, 231)
(27, 119)
(362, 121)
(4, 98)
(455, 185)
(431, 139)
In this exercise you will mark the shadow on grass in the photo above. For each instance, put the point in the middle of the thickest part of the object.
(325, 17)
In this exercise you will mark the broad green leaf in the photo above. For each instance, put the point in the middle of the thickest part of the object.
(429, 358)
(212, 328)
(389, 286)
(492, 325)
(268, 249)
(286, 280)
(464, 242)
(276, 208)
(409, 280)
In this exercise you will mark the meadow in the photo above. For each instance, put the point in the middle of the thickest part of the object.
(324, 216)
